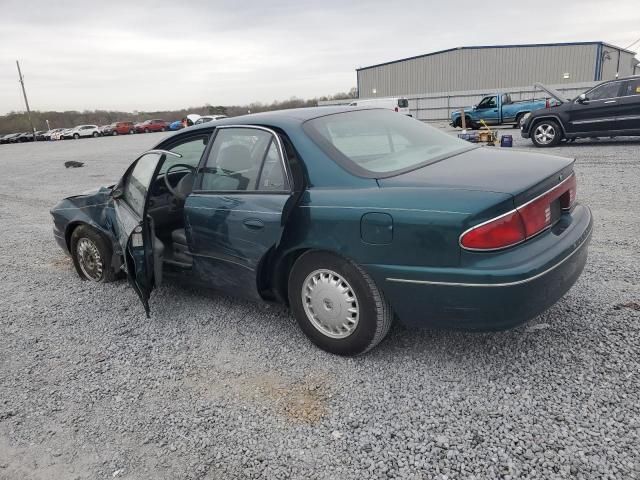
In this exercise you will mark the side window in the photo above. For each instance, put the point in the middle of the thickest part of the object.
(235, 159)
(608, 90)
(272, 177)
(137, 183)
(487, 102)
(191, 150)
(631, 87)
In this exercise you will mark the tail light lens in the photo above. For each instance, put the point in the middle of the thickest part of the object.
(522, 223)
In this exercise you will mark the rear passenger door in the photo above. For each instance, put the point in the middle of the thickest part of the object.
(234, 216)
(629, 106)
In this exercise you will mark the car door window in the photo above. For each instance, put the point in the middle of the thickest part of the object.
(488, 102)
(191, 150)
(631, 87)
(273, 177)
(601, 92)
(235, 159)
(136, 184)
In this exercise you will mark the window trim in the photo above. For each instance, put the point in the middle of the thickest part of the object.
(205, 156)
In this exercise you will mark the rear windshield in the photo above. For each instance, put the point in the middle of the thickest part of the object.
(403, 103)
(381, 143)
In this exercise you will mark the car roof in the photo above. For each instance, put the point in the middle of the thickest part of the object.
(279, 118)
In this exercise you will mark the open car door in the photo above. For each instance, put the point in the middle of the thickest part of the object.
(141, 250)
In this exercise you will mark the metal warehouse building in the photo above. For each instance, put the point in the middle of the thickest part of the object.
(496, 67)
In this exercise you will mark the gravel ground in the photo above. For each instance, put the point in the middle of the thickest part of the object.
(212, 387)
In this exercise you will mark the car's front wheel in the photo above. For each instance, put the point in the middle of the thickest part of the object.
(337, 304)
(546, 133)
(114, 133)
(95, 134)
(76, 136)
(91, 255)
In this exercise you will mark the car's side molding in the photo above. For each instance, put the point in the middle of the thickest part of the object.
(586, 238)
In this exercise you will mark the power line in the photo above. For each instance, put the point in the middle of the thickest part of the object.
(632, 44)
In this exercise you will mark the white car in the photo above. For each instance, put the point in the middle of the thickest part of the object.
(85, 131)
(208, 118)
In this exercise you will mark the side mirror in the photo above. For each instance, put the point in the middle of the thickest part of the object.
(474, 107)
(583, 98)
(116, 193)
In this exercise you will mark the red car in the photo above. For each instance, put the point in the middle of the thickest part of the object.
(121, 128)
(152, 126)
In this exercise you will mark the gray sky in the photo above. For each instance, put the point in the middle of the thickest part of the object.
(151, 55)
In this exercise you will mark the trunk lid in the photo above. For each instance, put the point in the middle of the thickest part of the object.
(520, 174)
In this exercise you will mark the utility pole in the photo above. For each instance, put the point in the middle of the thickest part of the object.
(26, 102)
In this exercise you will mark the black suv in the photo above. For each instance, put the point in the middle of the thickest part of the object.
(607, 110)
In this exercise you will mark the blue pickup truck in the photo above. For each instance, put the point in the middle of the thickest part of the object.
(497, 109)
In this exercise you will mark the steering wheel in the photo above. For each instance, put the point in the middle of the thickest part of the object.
(184, 186)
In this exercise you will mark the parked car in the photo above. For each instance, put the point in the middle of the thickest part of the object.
(59, 133)
(607, 110)
(82, 131)
(209, 118)
(66, 134)
(7, 138)
(350, 217)
(49, 133)
(497, 109)
(151, 126)
(23, 137)
(177, 125)
(41, 135)
(105, 129)
(122, 128)
(397, 104)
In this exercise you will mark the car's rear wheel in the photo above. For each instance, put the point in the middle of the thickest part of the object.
(91, 255)
(146, 130)
(132, 131)
(114, 133)
(546, 133)
(76, 136)
(163, 129)
(337, 304)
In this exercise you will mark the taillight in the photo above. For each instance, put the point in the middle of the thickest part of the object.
(501, 232)
(522, 223)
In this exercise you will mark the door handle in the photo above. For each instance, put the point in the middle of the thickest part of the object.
(253, 223)
(610, 101)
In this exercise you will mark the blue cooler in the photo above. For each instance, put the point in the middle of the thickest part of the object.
(506, 141)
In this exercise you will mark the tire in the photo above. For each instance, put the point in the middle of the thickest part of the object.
(95, 134)
(95, 263)
(546, 133)
(163, 129)
(458, 123)
(132, 131)
(146, 130)
(372, 317)
(76, 136)
(114, 133)
(472, 125)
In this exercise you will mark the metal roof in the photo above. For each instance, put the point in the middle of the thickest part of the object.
(476, 47)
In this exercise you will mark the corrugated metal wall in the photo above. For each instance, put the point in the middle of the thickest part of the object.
(610, 63)
(482, 68)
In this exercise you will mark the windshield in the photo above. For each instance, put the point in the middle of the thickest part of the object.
(380, 143)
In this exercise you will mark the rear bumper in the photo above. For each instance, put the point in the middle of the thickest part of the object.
(500, 291)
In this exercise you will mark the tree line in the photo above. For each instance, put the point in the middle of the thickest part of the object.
(19, 122)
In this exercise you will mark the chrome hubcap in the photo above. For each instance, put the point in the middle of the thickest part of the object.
(89, 259)
(545, 133)
(330, 304)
